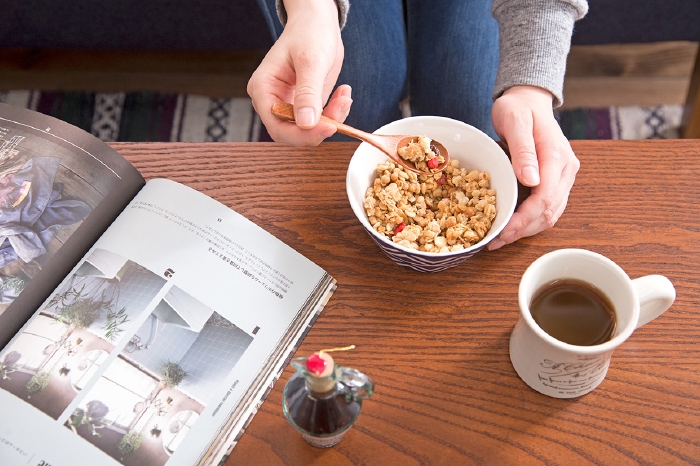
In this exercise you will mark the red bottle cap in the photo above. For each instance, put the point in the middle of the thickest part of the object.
(320, 364)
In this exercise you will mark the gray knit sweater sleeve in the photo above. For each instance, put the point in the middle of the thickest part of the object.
(535, 38)
(343, 7)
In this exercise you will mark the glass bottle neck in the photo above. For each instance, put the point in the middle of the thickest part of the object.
(320, 385)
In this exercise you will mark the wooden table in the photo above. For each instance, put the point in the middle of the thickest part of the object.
(436, 345)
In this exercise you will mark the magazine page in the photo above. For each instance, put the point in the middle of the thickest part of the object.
(60, 187)
(243, 412)
(160, 344)
(239, 419)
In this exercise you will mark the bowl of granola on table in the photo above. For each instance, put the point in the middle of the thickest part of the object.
(430, 223)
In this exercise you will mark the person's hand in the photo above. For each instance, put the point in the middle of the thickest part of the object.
(301, 68)
(542, 159)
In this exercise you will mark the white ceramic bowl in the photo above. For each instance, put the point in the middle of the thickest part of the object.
(474, 150)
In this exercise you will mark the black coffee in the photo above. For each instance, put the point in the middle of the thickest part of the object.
(574, 312)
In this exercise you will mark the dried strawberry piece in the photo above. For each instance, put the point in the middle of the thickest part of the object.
(433, 163)
(315, 364)
(399, 228)
(442, 180)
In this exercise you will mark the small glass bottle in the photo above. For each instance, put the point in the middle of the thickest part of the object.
(322, 400)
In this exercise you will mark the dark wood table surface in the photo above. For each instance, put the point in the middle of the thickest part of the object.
(436, 345)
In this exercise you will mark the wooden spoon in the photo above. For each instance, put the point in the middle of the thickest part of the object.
(387, 144)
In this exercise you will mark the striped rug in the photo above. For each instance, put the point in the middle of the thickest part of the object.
(661, 122)
(157, 117)
(147, 116)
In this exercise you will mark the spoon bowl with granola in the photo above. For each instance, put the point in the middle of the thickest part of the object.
(431, 222)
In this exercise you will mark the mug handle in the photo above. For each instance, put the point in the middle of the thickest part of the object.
(656, 294)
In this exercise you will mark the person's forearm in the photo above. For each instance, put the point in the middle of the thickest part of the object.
(339, 8)
(535, 39)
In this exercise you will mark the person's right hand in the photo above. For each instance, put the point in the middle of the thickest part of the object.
(301, 68)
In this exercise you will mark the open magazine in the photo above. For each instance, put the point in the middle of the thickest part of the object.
(140, 323)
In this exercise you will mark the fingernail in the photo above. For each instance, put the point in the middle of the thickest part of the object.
(531, 177)
(496, 244)
(508, 237)
(345, 108)
(305, 117)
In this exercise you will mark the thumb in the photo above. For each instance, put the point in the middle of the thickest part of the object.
(308, 102)
(521, 145)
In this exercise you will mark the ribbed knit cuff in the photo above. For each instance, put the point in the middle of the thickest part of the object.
(534, 43)
(343, 8)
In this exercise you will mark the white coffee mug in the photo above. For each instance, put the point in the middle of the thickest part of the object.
(562, 370)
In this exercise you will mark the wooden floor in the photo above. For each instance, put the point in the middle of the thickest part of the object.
(216, 74)
(606, 75)
(633, 74)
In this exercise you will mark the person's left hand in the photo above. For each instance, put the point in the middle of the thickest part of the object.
(541, 156)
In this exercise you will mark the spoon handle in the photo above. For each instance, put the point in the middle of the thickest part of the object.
(385, 143)
(285, 111)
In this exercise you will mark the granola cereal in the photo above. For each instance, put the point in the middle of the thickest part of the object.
(421, 154)
(442, 212)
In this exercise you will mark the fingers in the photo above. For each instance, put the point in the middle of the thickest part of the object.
(338, 106)
(264, 95)
(337, 109)
(518, 134)
(547, 201)
(536, 214)
(271, 83)
(308, 100)
(524, 157)
(288, 131)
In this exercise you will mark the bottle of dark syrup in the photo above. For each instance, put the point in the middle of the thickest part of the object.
(323, 400)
